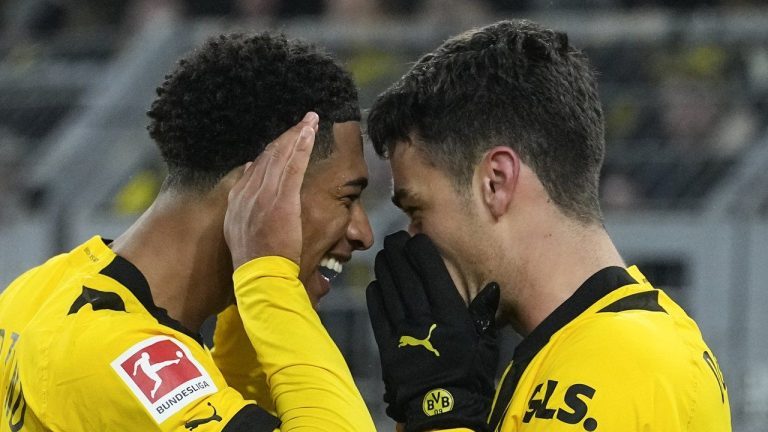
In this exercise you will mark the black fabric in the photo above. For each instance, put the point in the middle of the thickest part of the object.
(429, 341)
(99, 300)
(646, 300)
(252, 418)
(593, 289)
(125, 273)
(197, 422)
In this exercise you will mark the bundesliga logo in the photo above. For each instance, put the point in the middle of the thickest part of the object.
(162, 373)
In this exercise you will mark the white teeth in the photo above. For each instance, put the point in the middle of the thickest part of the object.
(332, 264)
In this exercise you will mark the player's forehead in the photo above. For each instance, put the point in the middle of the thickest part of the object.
(412, 176)
(345, 165)
(347, 140)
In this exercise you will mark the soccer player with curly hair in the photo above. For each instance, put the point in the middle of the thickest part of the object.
(259, 211)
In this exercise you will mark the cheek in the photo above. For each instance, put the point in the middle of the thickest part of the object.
(323, 225)
(441, 226)
(452, 236)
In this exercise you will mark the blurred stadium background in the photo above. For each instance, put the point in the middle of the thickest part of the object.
(685, 92)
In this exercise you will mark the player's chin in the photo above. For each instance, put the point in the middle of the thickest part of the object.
(317, 287)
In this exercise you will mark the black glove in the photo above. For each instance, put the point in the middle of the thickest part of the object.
(438, 357)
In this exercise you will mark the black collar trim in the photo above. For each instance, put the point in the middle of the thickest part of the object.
(596, 287)
(124, 272)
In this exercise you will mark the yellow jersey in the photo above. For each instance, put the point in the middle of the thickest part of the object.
(83, 347)
(618, 355)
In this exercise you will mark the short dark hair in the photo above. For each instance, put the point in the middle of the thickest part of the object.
(227, 100)
(511, 83)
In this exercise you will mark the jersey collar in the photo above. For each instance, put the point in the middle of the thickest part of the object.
(596, 287)
(128, 275)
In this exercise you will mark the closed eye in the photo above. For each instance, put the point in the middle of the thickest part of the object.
(349, 199)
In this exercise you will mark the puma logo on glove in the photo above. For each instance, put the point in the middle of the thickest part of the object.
(412, 341)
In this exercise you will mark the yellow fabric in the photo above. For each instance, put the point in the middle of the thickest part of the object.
(311, 392)
(236, 359)
(647, 370)
(61, 360)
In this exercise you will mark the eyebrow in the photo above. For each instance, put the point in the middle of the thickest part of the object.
(361, 182)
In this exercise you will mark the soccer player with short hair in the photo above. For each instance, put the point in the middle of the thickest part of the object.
(105, 337)
(495, 140)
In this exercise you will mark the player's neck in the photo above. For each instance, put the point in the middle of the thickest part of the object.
(554, 266)
(178, 246)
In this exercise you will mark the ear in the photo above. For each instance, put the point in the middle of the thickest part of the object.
(499, 172)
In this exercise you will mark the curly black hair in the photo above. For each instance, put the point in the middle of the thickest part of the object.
(227, 100)
(511, 83)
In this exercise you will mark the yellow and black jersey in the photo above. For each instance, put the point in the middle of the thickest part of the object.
(83, 347)
(618, 355)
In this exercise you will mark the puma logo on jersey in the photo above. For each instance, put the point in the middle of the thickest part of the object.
(193, 424)
(412, 341)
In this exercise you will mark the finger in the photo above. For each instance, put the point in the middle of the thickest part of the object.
(253, 176)
(404, 276)
(382, 328)
(312, 120)
(278, 153)
(444, 298)
(247, 172)
(483, 307)
(296, 166)
(276, 159)
(389, 291)
(241, 182)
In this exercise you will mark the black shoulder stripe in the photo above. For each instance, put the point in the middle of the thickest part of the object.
(646, 300)
(252, 418)
(593, 289)
(98, 299)
(124, 272)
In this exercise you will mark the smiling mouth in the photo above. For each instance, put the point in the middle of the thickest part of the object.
(330, 268)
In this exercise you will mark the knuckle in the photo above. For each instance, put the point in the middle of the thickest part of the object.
(274, 154)
(293, 170)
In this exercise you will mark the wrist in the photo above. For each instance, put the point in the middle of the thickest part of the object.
(277, 265)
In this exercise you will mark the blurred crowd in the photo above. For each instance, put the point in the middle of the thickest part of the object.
(678, 116)
(46, 16)
(679, 112)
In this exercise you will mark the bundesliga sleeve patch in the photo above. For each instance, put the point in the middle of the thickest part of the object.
(163, 375)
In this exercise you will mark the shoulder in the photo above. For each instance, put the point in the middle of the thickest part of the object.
(105, 341)
(127, 364)
(629, 356)
(623, 371)
(620, 342)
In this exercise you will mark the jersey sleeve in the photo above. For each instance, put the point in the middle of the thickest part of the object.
(122, 373)
(306, 374)
(236, 359)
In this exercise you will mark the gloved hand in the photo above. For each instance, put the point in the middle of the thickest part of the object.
(438, 356)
